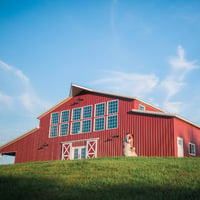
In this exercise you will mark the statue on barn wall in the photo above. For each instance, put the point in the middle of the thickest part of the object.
(128, 145)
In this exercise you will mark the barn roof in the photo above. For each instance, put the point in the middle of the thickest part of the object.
(20, 137)
(167, 115)
(77, 89)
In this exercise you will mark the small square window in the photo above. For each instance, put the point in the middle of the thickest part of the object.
(54, 118)
(141, 107)
(100, 109)
(87, 112)
(64, 129)
(76, 114)
(53, 131)
(76, 127)
(113, 107)
(192, 150)
(99, 124)
(112, 122)
(65, 116)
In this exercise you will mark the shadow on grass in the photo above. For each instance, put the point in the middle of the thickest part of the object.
(40, 188)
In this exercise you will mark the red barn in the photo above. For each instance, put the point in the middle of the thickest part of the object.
(91, 123)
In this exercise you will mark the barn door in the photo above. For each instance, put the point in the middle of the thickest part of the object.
(91, 149)
(180, 151)
(66, 151)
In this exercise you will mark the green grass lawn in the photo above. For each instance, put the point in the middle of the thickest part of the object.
(103, 178)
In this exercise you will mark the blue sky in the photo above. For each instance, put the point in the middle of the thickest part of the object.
(148, 49)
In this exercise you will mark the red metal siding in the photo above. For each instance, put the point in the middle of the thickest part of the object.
(153, 135)
(147, 107)
(189, 134)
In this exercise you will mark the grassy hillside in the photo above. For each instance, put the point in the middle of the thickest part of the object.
(103, 178)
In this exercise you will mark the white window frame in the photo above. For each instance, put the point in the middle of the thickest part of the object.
(61, 117)
(107, 121)
(72, 128)
(87, 119)
(83, 111)
(193, 154)
(52, 117)
(61, 129)
(96, 109)
(95, 123)
(141, 106)
(79, 149)
(117, 107)
(50, 131)
(73, 114)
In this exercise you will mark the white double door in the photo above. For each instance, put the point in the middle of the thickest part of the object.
(79, 152)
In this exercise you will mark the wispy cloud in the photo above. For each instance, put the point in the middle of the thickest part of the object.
(21, 94)
(149, 85)
(128, 83)
(5, 100)
(175, 81)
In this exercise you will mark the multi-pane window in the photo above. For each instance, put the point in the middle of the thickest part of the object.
(86, 126)
(112, 107)
(83, 152)
(79, 122)
(192, 150)
(87, 112)
(55, 118)
(112, 121)
(65, 116)
(112, 118)
(99, 124)
(76, 114)
(53, 130)
(100, 109)
(64, 129)
(76, 127)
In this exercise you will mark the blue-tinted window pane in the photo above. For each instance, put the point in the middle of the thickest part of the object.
(76, 127)
(99, 124)
(112, 121)
(86, 126)
(65, 116)
(53, 131)
(87, 112)
(112, 107)
(100, 109)
(141, 107)
(83, 151)
(54, 118)
(75, 154)
(77, 114)
(64, 129)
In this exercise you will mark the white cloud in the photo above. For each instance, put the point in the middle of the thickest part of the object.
(148, 85)
(22, 94)
(175, 81)
(128, 83)
(5, 100)
(180, 63)
(15, 71)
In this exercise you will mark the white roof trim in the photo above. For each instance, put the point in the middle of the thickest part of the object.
(20, 137)
(167, 115)
(54, 107)
(153, 113)
(76, 89)
(83, 140)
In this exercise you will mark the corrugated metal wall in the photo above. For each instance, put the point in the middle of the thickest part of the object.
(153, 134)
